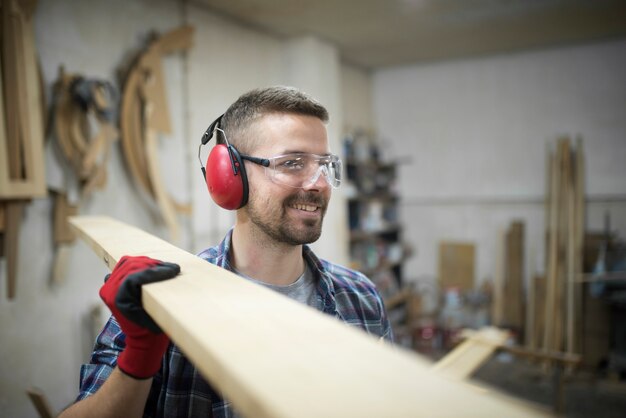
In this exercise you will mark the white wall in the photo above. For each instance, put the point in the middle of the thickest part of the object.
(357, 106)
(476, 132)
(44, 332)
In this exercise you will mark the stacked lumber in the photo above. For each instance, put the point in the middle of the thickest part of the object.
(21, 127)
(560, 326)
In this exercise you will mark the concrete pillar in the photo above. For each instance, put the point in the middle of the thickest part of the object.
(313, 66)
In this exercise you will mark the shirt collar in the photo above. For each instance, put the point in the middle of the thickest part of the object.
(325, 288)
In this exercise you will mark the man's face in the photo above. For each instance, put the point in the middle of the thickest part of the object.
(288, 215)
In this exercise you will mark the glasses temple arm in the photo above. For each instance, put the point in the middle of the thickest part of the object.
(260, 161)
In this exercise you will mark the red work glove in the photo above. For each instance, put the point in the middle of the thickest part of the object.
(145, 342)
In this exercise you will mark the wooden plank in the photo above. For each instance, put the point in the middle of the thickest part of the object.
(468, 356)
(571, 272)
(21, 122)
(561, 257)
(13, 54)
(579, 243)
(277, 358)
(12, 234)
(530, 337)
(34, 147)
(539, 292)
(551, 253)
(456, 265)
(497, 312)
(63, 233)
(563, 358)
(514, 312)
(2, 220)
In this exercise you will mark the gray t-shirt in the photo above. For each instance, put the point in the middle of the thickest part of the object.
(302, 290)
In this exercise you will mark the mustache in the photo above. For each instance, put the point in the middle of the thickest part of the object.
(307, 198)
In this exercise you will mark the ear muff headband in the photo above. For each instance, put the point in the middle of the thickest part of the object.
(225, 172)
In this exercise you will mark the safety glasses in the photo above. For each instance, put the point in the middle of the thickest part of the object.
(299, 169)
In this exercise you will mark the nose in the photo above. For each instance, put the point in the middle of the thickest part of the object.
(319, 181)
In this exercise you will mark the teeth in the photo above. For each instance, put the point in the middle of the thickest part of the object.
(307, 208)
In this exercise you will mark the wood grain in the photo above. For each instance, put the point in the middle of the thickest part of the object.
(273, 357)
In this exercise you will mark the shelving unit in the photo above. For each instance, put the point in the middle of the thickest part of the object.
(376, 247)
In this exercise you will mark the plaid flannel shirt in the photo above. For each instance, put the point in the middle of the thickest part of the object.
(178, 390)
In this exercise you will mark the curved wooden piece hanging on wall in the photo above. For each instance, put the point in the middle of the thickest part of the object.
(86, 152)
(145, 114)
(80, 104)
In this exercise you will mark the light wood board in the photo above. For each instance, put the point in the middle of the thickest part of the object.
(514, 309)
(274, 357)
(468, 356)
(21, 121)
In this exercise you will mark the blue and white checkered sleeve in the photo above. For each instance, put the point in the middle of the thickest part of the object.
(109, 344)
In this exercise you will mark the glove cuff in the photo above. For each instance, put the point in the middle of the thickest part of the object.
(143, 363)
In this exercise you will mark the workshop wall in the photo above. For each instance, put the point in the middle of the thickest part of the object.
(476, 132)
(356, 93)
(48, 331)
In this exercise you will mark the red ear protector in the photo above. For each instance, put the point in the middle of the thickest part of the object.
(225, 172)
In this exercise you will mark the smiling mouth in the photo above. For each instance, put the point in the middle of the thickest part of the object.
(306, 208)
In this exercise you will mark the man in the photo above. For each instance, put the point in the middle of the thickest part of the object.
(276, 141)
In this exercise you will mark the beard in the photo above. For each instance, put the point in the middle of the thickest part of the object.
(270, 217)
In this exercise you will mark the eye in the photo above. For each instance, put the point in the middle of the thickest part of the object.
(292, 164)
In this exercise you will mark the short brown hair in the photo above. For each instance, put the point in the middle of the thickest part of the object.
(277, 99)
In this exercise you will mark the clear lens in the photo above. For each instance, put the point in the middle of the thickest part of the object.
(302, 170)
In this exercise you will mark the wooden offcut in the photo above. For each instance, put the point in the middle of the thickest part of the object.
(274, 357)
(40, 402)
(514, 295)
(474, 351)
(63, 209)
